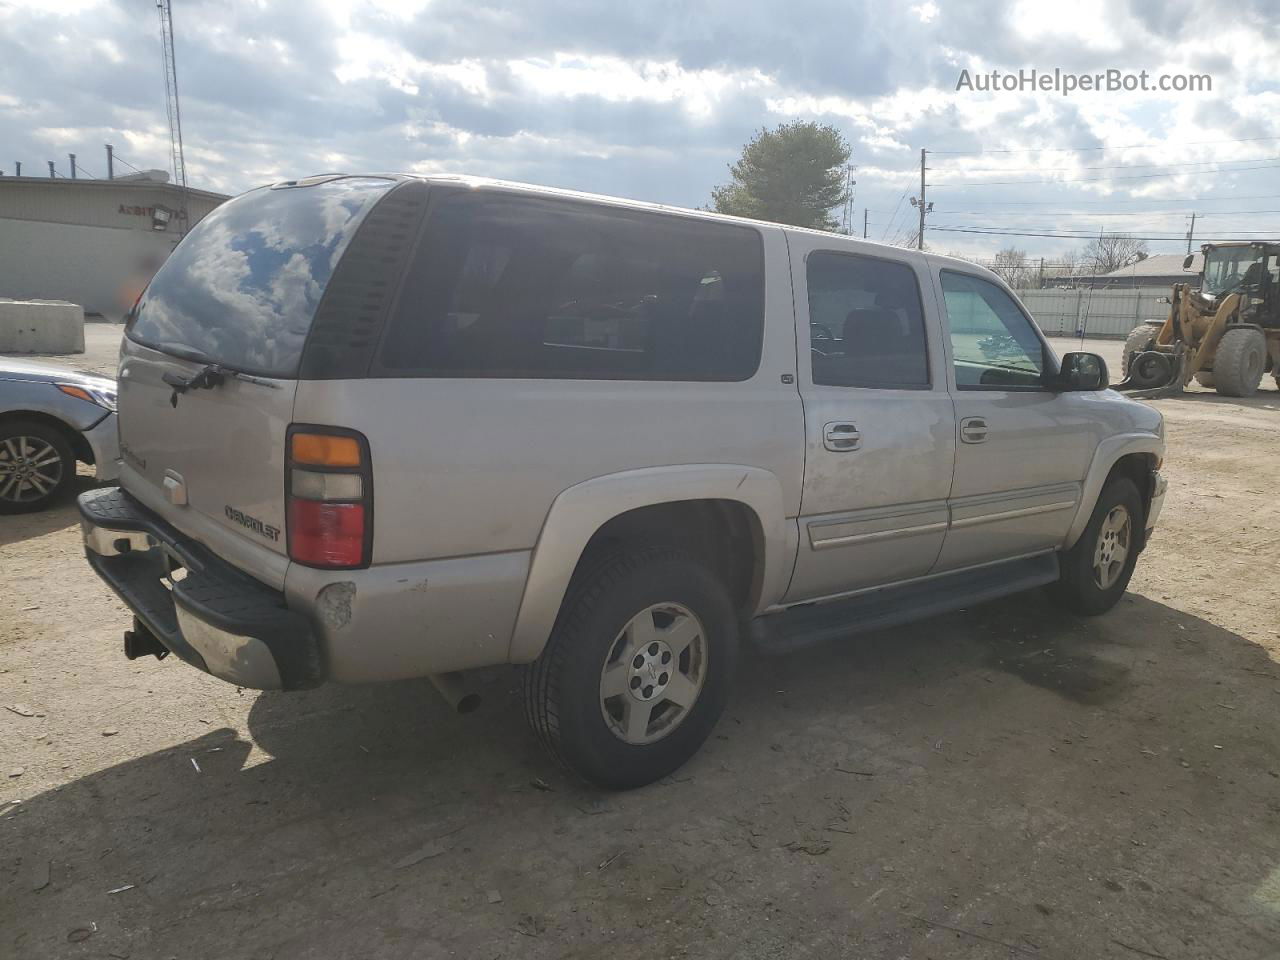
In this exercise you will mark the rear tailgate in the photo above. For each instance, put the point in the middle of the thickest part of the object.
(227, 316)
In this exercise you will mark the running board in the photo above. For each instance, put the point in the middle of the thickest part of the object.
(812, 623)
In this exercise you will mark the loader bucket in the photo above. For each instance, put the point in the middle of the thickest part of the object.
(1154, 373)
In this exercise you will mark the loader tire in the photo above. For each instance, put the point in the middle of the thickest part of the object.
(1239, 362)
(1206, 379)
(1141, 338)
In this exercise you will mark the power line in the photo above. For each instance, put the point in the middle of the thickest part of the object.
(1138, 146)
(894, 216)
(1136, 176)
(983, 231)
(1118, 213)
(1116, 166)
(1035, 203)
(1088, 233)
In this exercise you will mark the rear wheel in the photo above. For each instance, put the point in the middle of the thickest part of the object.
(1096, 571)
(36, 466)
(637, 670)
(1239, 362)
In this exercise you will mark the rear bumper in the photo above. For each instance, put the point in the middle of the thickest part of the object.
(214, 617)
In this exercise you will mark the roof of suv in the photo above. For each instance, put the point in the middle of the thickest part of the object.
(513, 186)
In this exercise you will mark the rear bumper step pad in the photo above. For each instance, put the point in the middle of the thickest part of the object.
(215, 618)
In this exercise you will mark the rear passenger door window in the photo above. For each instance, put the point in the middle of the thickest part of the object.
(866, 323)
(993, 344)
(508, 286)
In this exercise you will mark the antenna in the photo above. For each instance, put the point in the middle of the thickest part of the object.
(177, 160)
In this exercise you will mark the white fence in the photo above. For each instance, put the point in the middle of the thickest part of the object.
(1094, 313)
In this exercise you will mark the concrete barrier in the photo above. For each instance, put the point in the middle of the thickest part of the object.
(41, 326)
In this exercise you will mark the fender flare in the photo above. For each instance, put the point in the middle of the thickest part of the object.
(1105, 457)
(579, 511)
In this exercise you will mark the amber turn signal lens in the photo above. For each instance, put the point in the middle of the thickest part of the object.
(78, 392)
(325, 450)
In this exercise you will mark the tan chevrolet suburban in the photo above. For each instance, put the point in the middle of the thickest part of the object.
(377, 427)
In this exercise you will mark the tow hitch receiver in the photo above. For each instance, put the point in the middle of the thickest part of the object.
(141, 642)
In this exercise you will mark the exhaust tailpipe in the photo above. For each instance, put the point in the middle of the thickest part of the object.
(455, 691)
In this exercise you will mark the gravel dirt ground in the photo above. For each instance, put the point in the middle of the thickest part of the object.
(1002, 782)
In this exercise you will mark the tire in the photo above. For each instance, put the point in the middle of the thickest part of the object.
(1239, 362)
(1142, 337)
(641, 611)
(1081, 588)
(1206, 379)
(37, 467)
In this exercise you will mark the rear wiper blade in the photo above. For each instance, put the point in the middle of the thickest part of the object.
(209, 376)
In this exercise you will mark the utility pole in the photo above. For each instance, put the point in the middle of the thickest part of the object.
(846, 216)
(1191, 232)
(172, 109)
(111, 165)
(864, 222)
(921, 203)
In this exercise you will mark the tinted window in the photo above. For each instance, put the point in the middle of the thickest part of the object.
(993, 343)
(866, 324)
(527, 287)
(242, 287)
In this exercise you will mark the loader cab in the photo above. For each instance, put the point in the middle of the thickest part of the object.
(1249, 269)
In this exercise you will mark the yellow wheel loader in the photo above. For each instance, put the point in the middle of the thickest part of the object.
(1225, 335)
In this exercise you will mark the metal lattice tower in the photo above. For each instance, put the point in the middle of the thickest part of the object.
(171, 96)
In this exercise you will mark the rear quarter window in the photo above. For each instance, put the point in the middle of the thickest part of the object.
(242, 287)
(524, 287)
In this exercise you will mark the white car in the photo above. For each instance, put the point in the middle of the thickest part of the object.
(50, 417)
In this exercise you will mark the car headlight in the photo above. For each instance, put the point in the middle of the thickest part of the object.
(103, 398)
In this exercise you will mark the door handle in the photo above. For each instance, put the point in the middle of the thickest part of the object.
(841, 437)
(973, 430)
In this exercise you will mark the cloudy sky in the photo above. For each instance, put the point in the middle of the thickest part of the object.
(653, 99)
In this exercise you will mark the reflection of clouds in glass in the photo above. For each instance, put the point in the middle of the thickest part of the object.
(244, 285)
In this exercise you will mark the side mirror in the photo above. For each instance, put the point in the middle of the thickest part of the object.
(1082, 371)
(1190, 259)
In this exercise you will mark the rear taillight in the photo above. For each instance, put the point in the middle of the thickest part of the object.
(329, 492)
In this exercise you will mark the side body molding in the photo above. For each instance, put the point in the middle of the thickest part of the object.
(1109, 451)
(578, 512)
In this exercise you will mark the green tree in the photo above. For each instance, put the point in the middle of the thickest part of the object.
(792, 174)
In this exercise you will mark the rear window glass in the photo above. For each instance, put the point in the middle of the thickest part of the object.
(242, 287)
(526, 287)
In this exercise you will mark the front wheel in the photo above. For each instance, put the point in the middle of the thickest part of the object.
(37, 466)
(637, 670)
(1239, 362)
(1096, 571)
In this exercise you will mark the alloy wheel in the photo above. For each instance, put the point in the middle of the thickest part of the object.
(656, 668)
(1112, 548)
(30, 469)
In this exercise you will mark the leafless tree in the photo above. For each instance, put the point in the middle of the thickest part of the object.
(1111, 251)
(1011, 266)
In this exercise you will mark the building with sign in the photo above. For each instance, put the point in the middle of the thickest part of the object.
(91, 242)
